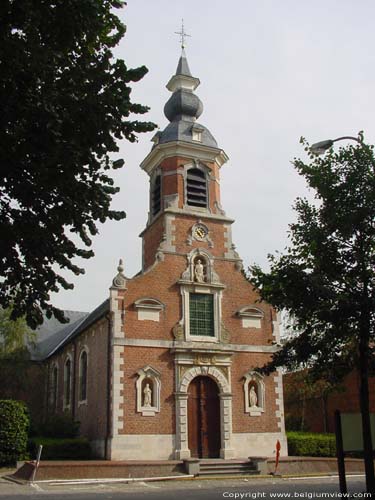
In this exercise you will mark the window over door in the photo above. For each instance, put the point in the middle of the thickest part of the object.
(202, 315)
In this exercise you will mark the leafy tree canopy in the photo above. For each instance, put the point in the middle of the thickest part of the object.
(326, 278)
(15, 336)
(65, 102)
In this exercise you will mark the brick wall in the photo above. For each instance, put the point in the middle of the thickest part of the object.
(93, 414)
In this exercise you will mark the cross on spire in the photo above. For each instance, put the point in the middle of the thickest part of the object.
(182, 34)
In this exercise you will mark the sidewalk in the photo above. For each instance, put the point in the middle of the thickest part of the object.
(150, 470)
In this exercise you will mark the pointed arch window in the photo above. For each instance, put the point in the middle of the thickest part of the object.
(53, 388)
(196, 188)
(67, 382)
(83, 376)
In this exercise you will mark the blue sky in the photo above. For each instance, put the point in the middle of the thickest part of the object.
(270, 72)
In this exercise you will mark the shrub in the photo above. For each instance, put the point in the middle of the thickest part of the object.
(306, 444)
(61, 449)
(14, 425)
(60, 426)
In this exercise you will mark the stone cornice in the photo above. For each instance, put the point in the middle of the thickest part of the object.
(183, 149)
(189, 213)
(178, 346)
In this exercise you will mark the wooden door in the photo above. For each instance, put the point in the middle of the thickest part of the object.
(204, 418)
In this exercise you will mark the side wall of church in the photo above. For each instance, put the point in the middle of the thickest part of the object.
(92, 412)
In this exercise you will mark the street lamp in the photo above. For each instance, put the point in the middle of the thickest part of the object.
(321, 147)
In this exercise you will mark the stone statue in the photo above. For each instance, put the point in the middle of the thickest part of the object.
(253, 397)
(147, 396)
(199, 271)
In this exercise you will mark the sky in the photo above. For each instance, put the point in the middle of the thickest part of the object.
(271, 71)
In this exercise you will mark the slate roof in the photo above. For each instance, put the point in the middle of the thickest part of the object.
(182, 109)
(53, 335)
(183, 67)
(181, 131)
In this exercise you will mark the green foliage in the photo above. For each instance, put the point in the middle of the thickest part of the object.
(326, 279)
(65, 103)
(14, 425)
(15, 335)
(61, 449)
(59, 426)
(303, 444)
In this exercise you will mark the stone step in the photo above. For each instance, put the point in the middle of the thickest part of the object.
(229, 468)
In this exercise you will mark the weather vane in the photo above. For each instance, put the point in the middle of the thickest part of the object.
(182, 34)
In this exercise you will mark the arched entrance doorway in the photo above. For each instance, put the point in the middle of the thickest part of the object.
(204, 418)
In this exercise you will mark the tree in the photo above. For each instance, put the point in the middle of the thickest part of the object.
(15, 335)
(325, 280)
(18, 375)
(65, 102)
(300, 390)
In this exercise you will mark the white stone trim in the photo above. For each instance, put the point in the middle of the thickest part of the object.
(161, 446)
(251, 316)
(172, 212)
(148, 309)
(183, 150)
(278, 379)
(117, 399)
(143, 446)
(254, 378)
(190, 345)
(276, 328)
(154, 376)
(186, 290)
(182, 450)
(247, 444)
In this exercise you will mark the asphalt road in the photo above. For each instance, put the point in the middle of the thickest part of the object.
(233, 489)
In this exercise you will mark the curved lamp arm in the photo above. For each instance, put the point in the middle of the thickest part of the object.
(321, 147)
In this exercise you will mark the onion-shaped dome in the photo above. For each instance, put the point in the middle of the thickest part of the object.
(183, 103)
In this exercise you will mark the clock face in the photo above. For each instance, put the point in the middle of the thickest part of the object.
(200, 232)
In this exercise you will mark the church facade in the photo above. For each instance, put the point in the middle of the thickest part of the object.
(165, 368)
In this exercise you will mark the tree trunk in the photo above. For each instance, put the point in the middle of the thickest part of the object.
(365, 413)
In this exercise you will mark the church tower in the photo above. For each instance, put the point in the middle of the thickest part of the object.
(184, 170)
(188, 331)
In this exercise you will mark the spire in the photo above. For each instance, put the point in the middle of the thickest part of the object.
(183, 108)
(183, 67)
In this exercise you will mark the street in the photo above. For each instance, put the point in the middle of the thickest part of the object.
(235, 489)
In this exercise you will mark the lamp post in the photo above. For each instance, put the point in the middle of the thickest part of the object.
(364, 352)
(321, 147)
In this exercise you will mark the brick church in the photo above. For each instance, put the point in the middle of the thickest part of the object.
(165, 367)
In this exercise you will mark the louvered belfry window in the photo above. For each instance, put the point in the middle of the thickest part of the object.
(202, 315)
(196, 188)
(156, 195)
